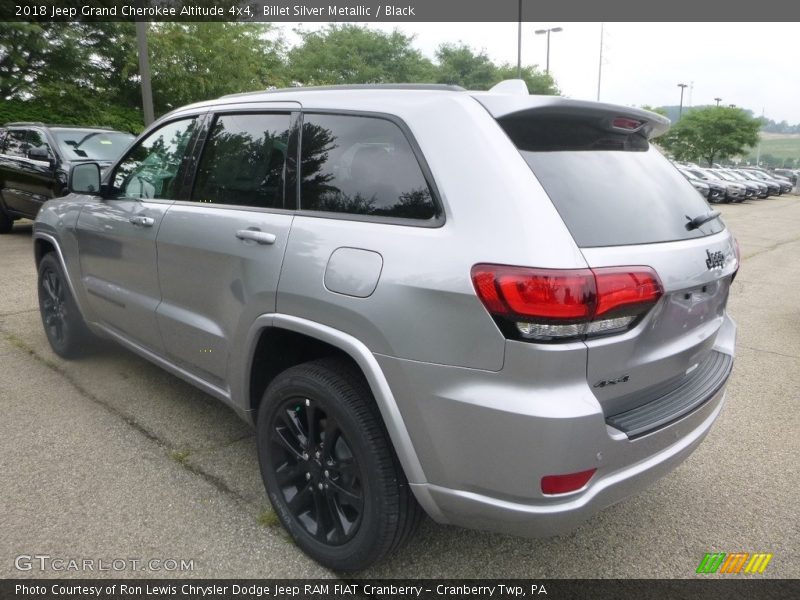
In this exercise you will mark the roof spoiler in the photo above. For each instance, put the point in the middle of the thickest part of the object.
(507, 104)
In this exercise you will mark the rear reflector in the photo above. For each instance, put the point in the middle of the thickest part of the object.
(558, 305)
(563, 484)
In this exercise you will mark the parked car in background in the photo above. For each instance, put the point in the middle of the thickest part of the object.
(752, 189)
(734, 190)
(775, 187)
(714, 193)
(763, 188)
(791, 174)
(35, 160)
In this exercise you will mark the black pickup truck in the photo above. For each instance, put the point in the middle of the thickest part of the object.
(35, 160)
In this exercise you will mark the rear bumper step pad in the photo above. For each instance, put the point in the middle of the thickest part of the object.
(690, 393)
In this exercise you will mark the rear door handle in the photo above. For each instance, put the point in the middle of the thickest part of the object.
(256, 235)
(142, 221)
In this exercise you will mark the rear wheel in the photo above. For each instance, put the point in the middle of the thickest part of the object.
(6, 222)
(329, 469)
(63, 324)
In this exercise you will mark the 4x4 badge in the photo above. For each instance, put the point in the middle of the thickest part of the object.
(715, 259)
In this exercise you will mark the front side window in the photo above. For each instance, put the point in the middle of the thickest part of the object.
(244, 161)
(17, 143)
(362, 166)
(151, 169)
(36, 139)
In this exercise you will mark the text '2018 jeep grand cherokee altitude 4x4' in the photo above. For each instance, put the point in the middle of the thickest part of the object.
(507, 311)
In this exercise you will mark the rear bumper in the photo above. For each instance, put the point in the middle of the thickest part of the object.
(479, 511)
(485, 440)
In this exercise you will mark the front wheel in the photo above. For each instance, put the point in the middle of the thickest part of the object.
(329, 469)
(63, 323)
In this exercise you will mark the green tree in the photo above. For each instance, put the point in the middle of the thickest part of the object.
(537, 82)
(190, 62)
(458, 64)
(340, 54)
(710, 134)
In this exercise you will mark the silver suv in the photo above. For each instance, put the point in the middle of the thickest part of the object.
(505, 311)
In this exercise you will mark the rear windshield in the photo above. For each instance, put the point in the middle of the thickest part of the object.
(611, 188)
(85, 144)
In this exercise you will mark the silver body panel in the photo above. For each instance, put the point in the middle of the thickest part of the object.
(476, 419)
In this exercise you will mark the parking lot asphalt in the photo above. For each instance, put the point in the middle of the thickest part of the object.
(108, 457)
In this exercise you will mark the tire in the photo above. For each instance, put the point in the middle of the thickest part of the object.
(345, 502)
(62, 322)
(6, 222)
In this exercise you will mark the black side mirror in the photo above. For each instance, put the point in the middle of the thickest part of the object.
(39, 154)
(84, 178)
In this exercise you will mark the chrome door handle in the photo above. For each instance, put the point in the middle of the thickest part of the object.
(255, 235)
(142, 221)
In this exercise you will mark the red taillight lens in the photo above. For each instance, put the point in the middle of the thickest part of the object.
(619, 288)
(545, 293)
(556, 305)
(562, 484)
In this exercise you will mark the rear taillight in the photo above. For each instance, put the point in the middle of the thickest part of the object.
(551, 305)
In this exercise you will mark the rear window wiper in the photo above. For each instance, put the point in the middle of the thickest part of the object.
(699, 220)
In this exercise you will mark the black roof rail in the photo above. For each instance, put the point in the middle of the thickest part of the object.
(23, 123)
(441, 87)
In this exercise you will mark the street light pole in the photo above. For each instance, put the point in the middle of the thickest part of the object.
(718, 100)
(548, 32)
(683, 86)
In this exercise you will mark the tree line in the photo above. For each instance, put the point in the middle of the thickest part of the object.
(88, 73)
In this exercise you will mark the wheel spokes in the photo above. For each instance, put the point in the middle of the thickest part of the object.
(316, 471)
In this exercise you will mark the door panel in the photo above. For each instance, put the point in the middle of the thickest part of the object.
(119, 267)
(214, 283)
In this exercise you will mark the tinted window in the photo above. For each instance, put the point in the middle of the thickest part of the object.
(17, 143)
(361, 165)
(85, 144)
(151, 169)
(610, 188)
(244, 161)
(37, 140)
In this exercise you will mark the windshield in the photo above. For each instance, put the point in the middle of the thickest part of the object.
(610, 188)
(88, 144)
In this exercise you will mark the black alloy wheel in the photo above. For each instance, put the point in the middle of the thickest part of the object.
(63, 323)
(319, 478)
(329, 467)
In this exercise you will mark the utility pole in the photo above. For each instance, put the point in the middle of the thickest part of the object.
(758, 149)
(519, 43)
(683, 86)
(144, 72)
(600, 63)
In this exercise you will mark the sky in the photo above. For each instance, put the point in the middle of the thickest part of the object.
(752, 65)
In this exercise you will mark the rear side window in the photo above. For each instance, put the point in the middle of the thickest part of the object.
(611, 188)
(244, 161)
(361, 166)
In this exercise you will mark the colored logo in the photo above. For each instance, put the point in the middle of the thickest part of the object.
(736, 562)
